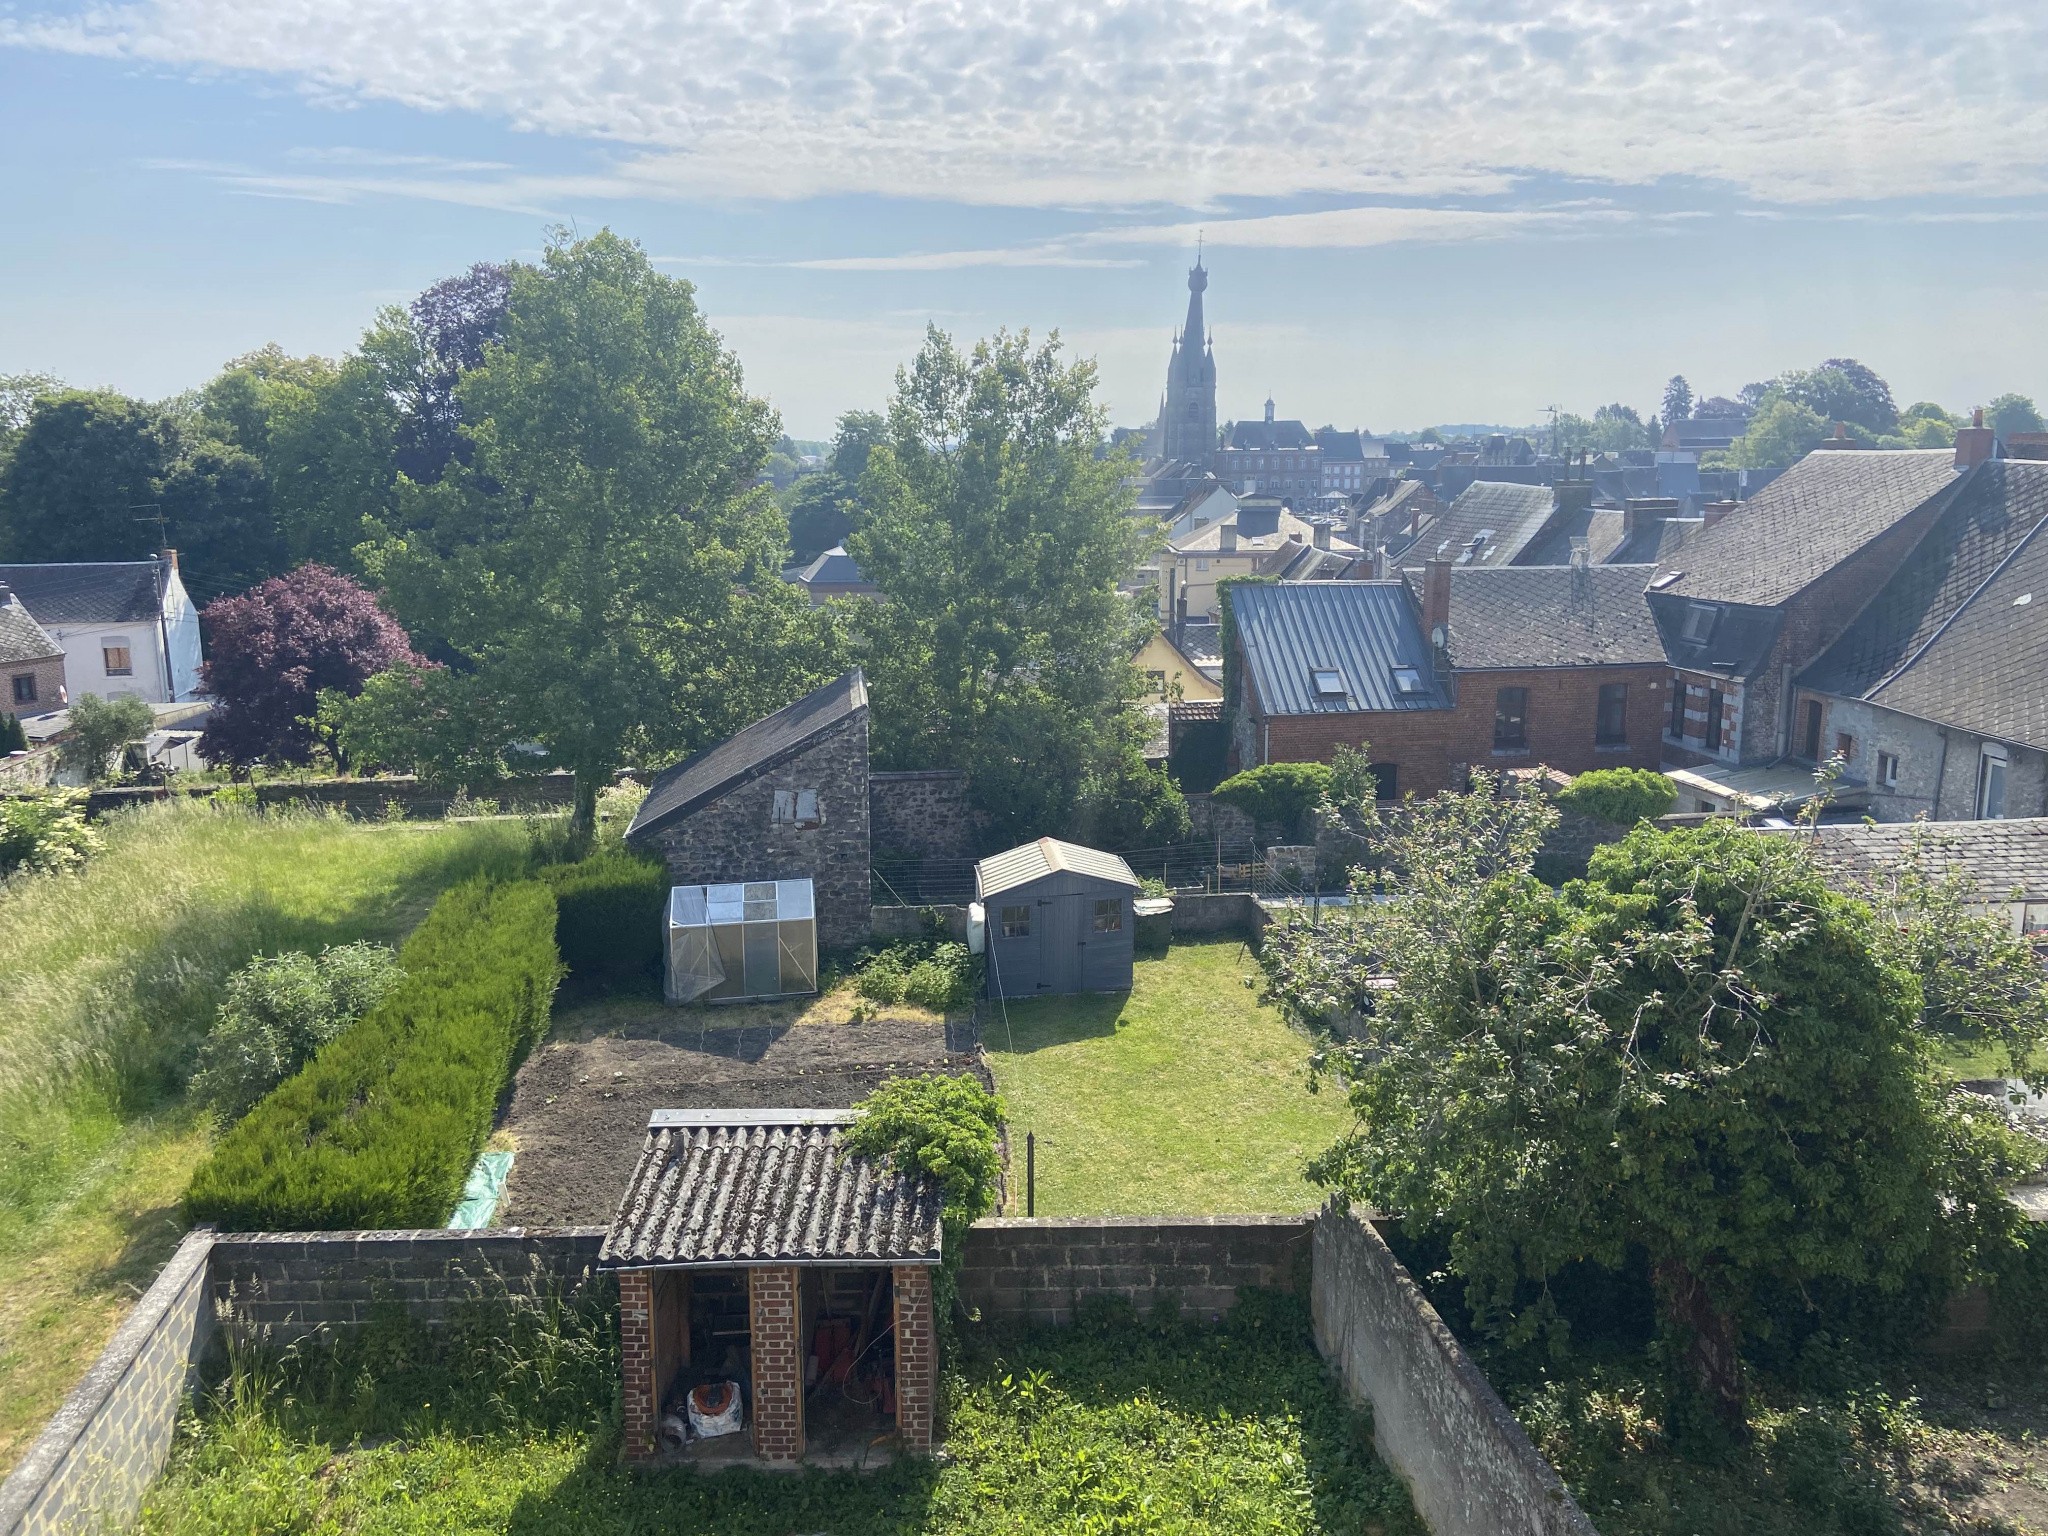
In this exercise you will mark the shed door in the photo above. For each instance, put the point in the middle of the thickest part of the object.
(1066, 933)
(1106, 930)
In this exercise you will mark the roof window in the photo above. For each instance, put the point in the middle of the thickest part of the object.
(1329, 683)
(1408, 680)
(1699, 621)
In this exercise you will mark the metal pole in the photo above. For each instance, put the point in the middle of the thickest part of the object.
(1030, 1173)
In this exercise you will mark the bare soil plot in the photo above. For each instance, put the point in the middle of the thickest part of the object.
(580, 1105)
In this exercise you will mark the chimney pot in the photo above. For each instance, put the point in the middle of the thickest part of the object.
(1975, 443)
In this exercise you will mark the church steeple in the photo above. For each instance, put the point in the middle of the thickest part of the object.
(1187, 418)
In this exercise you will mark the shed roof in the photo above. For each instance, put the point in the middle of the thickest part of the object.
(104, 592)
(698, 780)
(1806, 522)
(771, 1186)
(21, 637)
(1032, 861)
(1362, 630)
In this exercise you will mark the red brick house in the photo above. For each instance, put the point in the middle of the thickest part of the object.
(1483, 667)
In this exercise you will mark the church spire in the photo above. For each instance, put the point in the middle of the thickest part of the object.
(1188, 416)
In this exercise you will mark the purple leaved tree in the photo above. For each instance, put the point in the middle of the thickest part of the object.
(273, 649)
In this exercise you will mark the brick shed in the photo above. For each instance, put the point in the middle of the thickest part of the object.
(750, 1245)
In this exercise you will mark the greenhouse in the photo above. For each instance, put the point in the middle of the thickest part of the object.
(752, 940)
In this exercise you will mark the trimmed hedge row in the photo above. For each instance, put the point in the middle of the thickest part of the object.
(610, 914)
(381, 1127)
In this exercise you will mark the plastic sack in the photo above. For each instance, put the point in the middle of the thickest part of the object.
(715, 1409)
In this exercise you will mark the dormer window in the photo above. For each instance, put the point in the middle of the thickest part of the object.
(1407, 681)
(1699, 622)
(1329, 683)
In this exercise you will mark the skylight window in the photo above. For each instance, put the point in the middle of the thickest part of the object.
(1329, 683)
(1407, 680)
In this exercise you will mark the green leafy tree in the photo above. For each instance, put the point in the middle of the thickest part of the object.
(1781, 433)
(1924, 424)
(83, 474)
(1677, 398)
(278, 1011)
(1842, 389)
(19, 393)
(100, 729)
(331, 454)
(822, 508)
(608, 512)
(857, 434)
(1699, 1053)
(12, 737)
(217, 505)
(999, 538)
(1616, 429)
(1623, 796)
(2013, 413)
(1287, 793)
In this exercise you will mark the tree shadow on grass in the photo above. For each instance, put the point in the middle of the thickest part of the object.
(1036, 1024)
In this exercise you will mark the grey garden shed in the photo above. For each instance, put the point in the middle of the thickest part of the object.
(1058, 919)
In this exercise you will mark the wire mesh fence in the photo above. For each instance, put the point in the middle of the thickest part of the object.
(1210, 865)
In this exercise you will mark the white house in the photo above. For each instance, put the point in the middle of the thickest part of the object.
(127, 627)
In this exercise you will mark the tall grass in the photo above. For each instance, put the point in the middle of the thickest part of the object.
(109, 976)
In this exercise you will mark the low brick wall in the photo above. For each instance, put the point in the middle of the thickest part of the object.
(292, 1283)
(1032, 1271)
(28, 770)
(1437, 1421)
(97, 1457)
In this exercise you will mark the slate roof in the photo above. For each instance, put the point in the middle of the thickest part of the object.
(1656, 541)
(834, 568)
(1807, 521)
(1341, 446)
(1960, 632)
(1360, 629)
(21, 637)
(1692, 433)
(770, 1186)
(2001, 857)
(1736, 643)
(698, 780)
(115, 592)
(1503, 516)
(1268, 436)
(1600, 527)
(1208, 539)
(1027, 862)
(1551, 616)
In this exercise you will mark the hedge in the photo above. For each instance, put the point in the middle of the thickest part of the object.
(381, 1127)
(1622, 796)
(609, 926)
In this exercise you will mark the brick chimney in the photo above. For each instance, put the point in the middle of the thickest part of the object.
(1573, 495)
(1436, 596)
(1975, 443)
(1226, 536)
(1322, 535)
(1714, 511)
(170, 558)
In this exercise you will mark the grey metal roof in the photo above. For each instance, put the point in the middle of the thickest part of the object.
(1806, 522)
(834, 568)
(2007, 860)
(1552, 616)
(698, 780)
(1360, 629)
(113, 592)
(767, 1187)
(1033, 861)
(1502, 517)
(21, 637)
(1959, 633)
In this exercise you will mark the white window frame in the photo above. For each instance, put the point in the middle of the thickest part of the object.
(1888, 769)
(1991, 765)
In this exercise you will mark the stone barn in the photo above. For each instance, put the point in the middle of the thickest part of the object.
(785, 799)
(752, 1247)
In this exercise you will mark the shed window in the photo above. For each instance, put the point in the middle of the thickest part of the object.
(1017, 922)
(24, 688)
(1329, 683)
(117, 660)
(1511, 720)
(797, 808)
(1407, 680)
(1109, 914)
(1610, 725)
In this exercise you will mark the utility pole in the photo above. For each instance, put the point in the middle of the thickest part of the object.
(1556, 451)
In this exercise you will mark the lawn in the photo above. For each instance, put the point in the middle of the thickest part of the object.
(1112, 1426)
(110, 975)
(1187, 1096)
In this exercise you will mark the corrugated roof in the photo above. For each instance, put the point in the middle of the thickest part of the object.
(770, 1186)
(1360, 629)
(21, 637)
(1552, 616)
(1502, 517)
(112, 592)
(2001, 857)
(700, 779)
(1806, 522)
(1031, 861)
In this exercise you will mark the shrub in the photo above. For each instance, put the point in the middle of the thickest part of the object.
(609, 914)
(1623, 796)
(936, 976)
(12, 737)
(381, 1128)
(1282, 792)
(278, 1012)
(44, 831)
(100, 728)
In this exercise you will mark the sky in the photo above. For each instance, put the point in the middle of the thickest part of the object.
(1412, 211)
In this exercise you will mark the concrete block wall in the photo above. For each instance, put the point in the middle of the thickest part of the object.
(97, 1457)
(1033, 1271)
(1436, 1420)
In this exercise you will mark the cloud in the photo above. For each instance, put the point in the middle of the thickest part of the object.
(1183, 103)
(918, 261)
(1369, 226)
